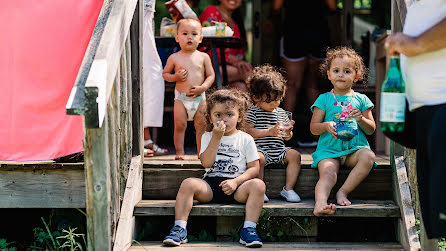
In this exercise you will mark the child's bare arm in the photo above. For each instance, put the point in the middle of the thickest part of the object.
(365, 120)
(252, 171)
(207, 158)
(261, 133)
(318, 126)
(230, 185)
(209, 70)
(179, 75)
(209, 77)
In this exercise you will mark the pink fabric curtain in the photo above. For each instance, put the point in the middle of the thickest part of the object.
(42, 44)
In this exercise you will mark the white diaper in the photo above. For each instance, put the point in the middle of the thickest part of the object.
(190, 103)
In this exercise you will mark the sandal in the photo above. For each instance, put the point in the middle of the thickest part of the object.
(148, 152)
(156, 149)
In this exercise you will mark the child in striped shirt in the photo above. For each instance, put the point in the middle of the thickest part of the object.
(267, 88)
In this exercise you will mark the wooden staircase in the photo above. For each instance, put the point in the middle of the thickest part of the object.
(373, 208)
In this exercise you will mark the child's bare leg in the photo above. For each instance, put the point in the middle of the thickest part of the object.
(200, 124)
(292, 169)
(251, 192)
(180, 119)
(328, 172)
(362, 162)
(191, 188)
(262, 163)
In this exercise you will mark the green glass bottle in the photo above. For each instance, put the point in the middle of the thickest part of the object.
(393, 99)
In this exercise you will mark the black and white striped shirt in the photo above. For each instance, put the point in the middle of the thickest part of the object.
(262, 119)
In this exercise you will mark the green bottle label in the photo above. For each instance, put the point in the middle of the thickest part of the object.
(393, 107)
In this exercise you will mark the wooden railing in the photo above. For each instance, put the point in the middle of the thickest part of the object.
(108, 93)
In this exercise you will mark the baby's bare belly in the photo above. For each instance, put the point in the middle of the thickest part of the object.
(185, 86)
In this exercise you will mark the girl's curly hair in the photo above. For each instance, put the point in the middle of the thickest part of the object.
(231, 98)
(266, 80)
(342, 51)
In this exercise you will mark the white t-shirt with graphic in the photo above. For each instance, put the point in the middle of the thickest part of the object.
(233, 153)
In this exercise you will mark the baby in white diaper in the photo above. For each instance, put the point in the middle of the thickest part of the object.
(193, 74)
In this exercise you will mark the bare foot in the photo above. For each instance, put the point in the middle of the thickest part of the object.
(324, 209)
(179, 157)
(341, 199)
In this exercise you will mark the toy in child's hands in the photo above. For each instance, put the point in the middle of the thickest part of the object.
(345, 132)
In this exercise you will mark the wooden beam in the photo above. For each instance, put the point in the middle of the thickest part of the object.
(97, 176)
(132, 196)
(359, 208)
(408, 236)
(107, 58)
(42, 188)
(136, 40)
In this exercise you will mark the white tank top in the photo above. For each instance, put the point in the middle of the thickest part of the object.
(425, 74)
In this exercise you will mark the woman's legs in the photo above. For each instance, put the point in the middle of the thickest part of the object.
(328, 174)
(362, 162)
(295, 73)
(311, 80)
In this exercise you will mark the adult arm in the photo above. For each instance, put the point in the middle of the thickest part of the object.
(431, 40)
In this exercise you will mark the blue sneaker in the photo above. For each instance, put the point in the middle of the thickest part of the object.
(249, 237)
(177, 236)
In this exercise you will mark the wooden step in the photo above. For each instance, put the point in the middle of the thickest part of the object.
(191, 160)
(223, 246)
(359, 208)
(163, 183)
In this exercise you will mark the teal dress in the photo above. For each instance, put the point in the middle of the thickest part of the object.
(337, 109)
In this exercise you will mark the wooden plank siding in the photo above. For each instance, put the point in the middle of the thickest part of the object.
(35, 187)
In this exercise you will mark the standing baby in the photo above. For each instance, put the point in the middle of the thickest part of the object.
(193, 73)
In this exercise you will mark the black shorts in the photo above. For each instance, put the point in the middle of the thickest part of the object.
(431, 167)
(302, 42)
(218, 196)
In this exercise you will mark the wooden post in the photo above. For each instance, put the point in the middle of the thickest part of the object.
(136, 39)
(97, 176)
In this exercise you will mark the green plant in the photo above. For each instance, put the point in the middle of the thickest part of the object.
(5, 246)
(281, 228)
(71, 241)
(55, 241)
(202, 236)
(442, 244)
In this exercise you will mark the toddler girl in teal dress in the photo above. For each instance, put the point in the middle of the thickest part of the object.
(342, 118)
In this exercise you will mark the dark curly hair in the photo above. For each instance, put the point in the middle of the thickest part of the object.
(231, 98)
(343, 51)
(266, 80)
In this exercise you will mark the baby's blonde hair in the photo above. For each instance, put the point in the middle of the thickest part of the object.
(343, 51)
(188, 19)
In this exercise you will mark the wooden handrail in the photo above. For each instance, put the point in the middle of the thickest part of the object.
(75, 104)
(94, 82)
